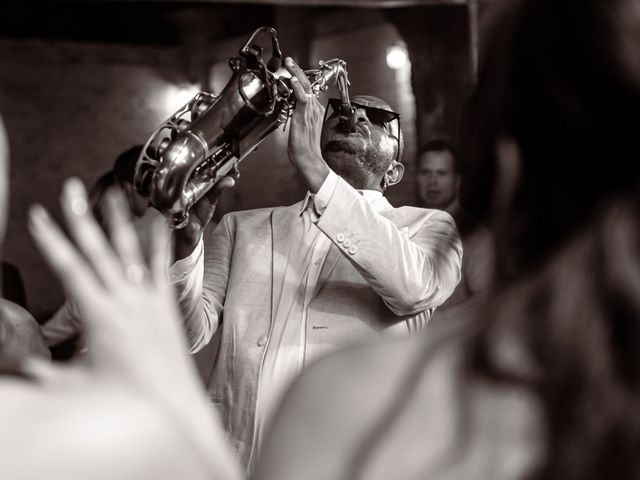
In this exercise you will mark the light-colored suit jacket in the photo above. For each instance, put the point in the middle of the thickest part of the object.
(387, 267)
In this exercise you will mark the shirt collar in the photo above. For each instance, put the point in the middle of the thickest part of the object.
(369, 195)
(307, 198)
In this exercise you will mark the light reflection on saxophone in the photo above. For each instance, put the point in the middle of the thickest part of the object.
(207, 138)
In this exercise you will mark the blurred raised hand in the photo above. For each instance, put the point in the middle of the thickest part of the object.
(305, 130)
(124, 301)
(133, 407)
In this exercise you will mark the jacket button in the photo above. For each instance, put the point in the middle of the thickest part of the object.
(352, 250)
(262, 341)
(346, 243)
(340, 237)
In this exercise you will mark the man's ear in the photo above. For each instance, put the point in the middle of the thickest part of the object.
(394, 173)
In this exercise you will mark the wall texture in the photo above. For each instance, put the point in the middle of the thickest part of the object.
(70, 109)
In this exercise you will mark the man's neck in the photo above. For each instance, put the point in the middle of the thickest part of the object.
(358, 178)
(364, 186)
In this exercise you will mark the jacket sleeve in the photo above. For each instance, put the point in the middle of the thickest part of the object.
(411, 269)
(200, 282)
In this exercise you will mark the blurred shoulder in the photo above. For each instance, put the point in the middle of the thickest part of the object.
(382, 363)
(332, 407)
(428, 402)
(142, 441)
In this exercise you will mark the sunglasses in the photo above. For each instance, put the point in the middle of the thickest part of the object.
(377, 116)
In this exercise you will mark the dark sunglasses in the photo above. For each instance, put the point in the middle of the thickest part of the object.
(378, 116)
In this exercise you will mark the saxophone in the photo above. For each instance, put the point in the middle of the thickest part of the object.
(208, 137)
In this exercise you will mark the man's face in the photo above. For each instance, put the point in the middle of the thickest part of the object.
(361, 157)
(437, 181)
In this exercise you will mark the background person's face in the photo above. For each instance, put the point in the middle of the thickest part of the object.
(437, 181)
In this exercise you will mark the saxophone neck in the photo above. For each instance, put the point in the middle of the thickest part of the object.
(346, 111)
(334, 72)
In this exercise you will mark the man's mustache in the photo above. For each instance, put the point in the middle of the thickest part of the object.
(344, 146)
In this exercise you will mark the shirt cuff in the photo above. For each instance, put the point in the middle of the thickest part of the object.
(185, 266)
(322, 198)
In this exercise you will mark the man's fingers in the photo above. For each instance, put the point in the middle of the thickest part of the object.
(160, 251)
(224, 183)
(123, 235)
(298, 74)
(45, 372)
(52, 375)
(302, 97)
(205, 207)
(63, 258)
(87, 234)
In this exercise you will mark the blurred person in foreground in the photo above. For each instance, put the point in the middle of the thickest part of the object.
(544, 386)
(66, 322)
(439, 182)
(20, 334)
(287, 285)
(132, 408)
(541, 380)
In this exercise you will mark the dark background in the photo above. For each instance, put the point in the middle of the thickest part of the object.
(82, 81)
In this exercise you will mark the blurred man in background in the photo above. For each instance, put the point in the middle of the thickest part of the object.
(20, 335)
(439, 183)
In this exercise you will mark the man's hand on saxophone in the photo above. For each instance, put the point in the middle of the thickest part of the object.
(186, 239)
(304, 153)
(305, 130)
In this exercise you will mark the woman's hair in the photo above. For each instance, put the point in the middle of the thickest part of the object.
(553, 78)
(124, 166)
(97, 196)
(554, 81)
(563, 322)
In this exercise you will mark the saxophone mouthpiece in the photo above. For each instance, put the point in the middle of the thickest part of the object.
(347, 118)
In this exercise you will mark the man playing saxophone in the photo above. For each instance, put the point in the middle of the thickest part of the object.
(296, 282)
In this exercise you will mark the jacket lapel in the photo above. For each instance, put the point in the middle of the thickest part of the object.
(330, 261)
(281, 221)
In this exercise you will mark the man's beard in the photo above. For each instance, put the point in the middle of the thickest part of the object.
(373, 162)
